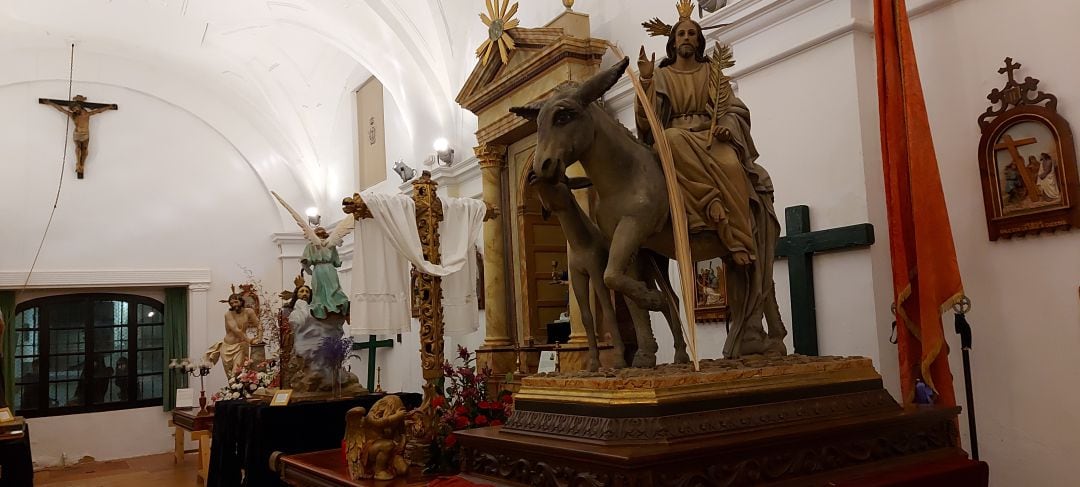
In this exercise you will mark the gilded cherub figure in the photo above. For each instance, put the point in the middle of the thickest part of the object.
(375, 440)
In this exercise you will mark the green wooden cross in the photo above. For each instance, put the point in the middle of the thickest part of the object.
(799, 247)
(371, 345)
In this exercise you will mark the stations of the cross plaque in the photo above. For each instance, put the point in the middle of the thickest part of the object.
(371, 346)
(799, 246)
(80, 111)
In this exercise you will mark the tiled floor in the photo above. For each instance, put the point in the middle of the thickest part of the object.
(149, 471)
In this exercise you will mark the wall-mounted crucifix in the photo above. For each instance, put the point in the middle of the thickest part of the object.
(80, 112)
(799, 246)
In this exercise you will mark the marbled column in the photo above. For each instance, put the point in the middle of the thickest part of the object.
(492, 164)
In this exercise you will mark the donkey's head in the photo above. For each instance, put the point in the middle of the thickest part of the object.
(564, 123)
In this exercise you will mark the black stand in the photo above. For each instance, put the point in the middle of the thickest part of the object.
(964, 330)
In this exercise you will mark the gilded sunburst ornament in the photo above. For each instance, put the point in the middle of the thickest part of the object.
(498, 22)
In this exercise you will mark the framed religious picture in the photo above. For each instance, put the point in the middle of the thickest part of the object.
(1027, 161)
(281, 397)
(710, 300)
(6, 416)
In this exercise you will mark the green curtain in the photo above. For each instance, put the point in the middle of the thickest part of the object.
(7, 353)
(176, 342)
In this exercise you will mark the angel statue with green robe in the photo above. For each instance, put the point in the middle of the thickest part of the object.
(322, 261)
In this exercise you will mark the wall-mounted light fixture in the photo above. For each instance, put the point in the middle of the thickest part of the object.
(313, 217)
(444, 155)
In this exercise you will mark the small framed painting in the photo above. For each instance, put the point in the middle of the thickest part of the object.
(281, 397)
(710, 299)
(6, 416)
(1027, 161)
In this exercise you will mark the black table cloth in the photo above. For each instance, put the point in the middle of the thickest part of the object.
(246, 434)
(16, 466)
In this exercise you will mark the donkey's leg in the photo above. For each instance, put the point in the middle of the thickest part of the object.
(580, 282)
(607, 306)
(656, 266)
(625, 243)
(645, 357)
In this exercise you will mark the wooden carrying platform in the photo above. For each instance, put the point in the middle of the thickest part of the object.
(786, 421)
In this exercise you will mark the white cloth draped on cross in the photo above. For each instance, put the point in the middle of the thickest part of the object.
(388, 243)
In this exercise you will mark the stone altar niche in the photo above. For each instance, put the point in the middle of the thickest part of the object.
(523, 241)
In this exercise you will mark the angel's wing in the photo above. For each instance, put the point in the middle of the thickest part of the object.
(308, 232)
(340, 231)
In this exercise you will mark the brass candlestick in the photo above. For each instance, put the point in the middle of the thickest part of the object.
(378, 380)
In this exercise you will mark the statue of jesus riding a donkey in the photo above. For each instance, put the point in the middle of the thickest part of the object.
(691, 117)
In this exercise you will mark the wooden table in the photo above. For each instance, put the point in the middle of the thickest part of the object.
(199, 426)
(327, 468)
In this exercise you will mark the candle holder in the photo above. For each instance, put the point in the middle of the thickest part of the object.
(199, 370)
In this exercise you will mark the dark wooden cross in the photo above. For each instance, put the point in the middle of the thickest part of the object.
(371, 345)
(1013, 146)
(799, 246)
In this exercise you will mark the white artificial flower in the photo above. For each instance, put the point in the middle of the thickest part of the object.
(260, 375)
(237, 385)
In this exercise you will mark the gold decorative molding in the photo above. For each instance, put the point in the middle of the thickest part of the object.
(490, 155)
(678, 383)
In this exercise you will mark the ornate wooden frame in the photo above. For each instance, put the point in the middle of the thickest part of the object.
(1022, 103)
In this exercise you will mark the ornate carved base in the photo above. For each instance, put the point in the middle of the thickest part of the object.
(746, 422)
(812, 454)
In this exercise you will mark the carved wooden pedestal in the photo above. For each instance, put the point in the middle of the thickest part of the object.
(793, 421)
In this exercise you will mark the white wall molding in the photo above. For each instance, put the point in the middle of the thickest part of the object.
(106, 278)
(451, 179)
(814, 23)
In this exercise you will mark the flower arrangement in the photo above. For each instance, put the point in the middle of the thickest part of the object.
(248, 377)
(266, 306)
(466, 405)
(334, 352)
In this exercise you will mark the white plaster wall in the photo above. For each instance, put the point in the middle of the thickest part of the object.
(163, 190)
(1026, 314)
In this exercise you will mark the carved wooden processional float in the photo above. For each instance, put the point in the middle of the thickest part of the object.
(756, 420)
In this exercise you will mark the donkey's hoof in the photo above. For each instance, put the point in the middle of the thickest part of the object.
(681, 357)
(644, 360)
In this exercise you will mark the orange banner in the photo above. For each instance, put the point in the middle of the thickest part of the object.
(926, 277)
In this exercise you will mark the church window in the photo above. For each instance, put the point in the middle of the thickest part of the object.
(79, 353)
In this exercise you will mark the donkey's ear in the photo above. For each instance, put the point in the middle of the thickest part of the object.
(529, 112)
(595, 87)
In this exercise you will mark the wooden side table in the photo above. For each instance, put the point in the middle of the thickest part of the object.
(199, 426)
(327, 468)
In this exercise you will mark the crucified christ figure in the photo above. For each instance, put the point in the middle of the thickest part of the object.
(80, 111)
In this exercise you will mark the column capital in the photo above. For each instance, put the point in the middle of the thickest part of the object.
(490, 155)
(199, 287)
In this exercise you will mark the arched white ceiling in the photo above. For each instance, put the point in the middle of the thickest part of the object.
(287, 67)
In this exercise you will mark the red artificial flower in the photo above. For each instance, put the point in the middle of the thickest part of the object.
(496, 422)
(481, 420)
(438, 401)
(508, 398)
(461, 422)
(451, 440)
(485, 405)
(460, 410)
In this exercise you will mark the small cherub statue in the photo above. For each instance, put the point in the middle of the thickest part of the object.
(375, 440)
